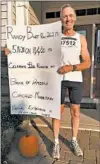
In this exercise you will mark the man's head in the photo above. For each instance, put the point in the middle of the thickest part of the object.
(68, 16)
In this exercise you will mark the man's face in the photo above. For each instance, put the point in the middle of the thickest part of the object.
(68, 18)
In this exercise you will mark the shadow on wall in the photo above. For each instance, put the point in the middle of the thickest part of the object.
(8, 122)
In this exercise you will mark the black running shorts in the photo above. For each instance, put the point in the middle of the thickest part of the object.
(74, 91)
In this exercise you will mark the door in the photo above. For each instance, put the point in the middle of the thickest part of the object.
(87, 31)
(97, 63)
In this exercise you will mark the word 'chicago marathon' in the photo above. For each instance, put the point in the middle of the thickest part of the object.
(36, 95)
(29, 34)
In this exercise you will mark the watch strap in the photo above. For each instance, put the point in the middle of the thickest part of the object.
(74, 68)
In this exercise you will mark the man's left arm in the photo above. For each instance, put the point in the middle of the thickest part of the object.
(86, 62)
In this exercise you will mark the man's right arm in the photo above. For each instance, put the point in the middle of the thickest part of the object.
(7, 51)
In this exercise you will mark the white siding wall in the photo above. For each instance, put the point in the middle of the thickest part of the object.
(5, 17)
(32, 17)
(25, 14)
(14, 12)
(4, 20)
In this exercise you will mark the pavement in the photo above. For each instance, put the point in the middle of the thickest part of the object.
(89, 119)
(89, 141)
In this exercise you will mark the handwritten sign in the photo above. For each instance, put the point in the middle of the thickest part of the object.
(34, 92)
(39, 45)
(35, 85)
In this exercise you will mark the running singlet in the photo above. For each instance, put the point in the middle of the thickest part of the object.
(70, 55)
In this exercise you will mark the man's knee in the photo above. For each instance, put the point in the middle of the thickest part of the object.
(75, 111)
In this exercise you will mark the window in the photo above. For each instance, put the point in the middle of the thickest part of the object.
(98, 10)
(98, 47)
(57, 14)
(81, 12)
(98, 54)
(50, 15)
(92, 11)
(98, 38)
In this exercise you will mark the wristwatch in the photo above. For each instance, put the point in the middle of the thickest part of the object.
(74, 68)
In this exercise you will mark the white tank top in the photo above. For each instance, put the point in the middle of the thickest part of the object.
(70, 55)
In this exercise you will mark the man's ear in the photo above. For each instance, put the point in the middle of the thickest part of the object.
(75, 17)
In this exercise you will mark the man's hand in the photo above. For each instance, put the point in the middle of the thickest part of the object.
(7, 51)
(65, 69)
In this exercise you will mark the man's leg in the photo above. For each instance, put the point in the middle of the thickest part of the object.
(56, 124)
(75, 93)
(56, 129)
(75, 118)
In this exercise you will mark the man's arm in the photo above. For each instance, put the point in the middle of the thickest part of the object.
(7, 51)
(86, 62)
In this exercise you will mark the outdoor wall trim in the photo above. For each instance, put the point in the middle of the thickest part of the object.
(20, 9)
(23, 7)
(9, 13)
(21, 4)
(92, 60)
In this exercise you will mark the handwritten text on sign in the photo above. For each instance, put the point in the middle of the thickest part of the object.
(35, 56)
(35, 92)
(39, 44)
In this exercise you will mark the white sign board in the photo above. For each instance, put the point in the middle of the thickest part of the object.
(35, 92)
(35, 85)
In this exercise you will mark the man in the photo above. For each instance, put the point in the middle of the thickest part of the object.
(72, 46)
